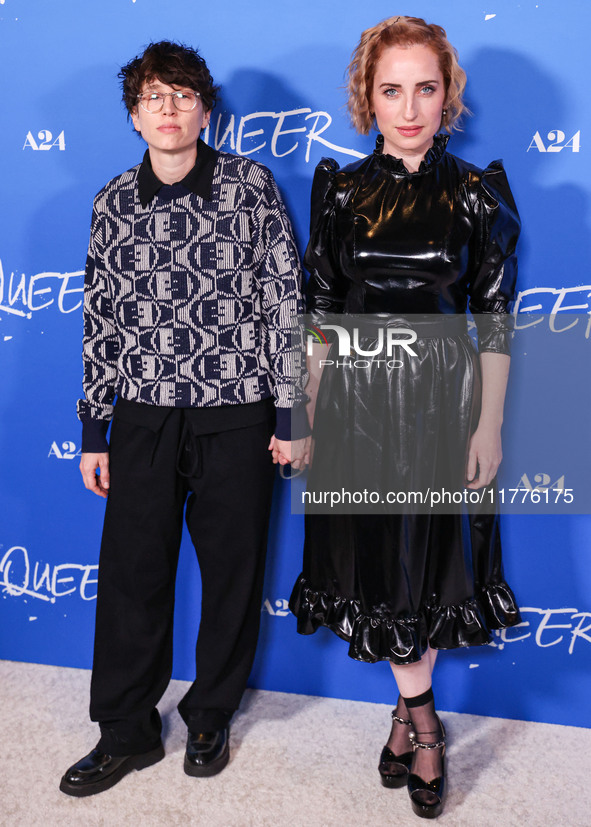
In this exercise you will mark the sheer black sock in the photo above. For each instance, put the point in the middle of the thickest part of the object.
(399, 741)
(401, 709)
(426, 763)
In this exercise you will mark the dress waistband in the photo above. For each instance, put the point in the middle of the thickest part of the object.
(425, 326)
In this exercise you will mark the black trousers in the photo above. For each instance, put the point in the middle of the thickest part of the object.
(225, 480)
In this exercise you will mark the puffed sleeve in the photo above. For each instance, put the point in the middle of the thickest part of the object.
(326, 289)
(493, 285)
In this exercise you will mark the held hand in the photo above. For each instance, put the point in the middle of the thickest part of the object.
(89, 465)
(484, 456)
(296, 452)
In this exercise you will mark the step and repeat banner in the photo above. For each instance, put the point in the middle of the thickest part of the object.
(281, 67)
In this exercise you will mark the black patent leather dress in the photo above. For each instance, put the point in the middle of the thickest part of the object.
(437, 241)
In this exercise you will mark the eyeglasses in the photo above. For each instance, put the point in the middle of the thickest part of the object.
(153, 102)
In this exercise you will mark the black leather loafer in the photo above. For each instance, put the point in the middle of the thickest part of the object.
(207, 753)
(98, 771)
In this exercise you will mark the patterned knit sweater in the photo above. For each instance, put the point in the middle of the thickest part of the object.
(189, 300)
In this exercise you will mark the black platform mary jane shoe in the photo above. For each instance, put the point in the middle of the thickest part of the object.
(394, 769)
(426, 797)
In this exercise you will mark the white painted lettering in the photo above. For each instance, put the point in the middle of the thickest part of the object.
(271, 128)
(65, 290)
(86, 581)
(242, 135)
(580, 631)
(546, 625)
(229, 131)
(20, 295)
(507, 636)
(278, 131)
(39, 291)
(54, 581)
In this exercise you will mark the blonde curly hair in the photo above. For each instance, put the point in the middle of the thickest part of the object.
(404, 32)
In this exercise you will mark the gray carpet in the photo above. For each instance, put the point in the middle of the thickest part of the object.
(296, 761)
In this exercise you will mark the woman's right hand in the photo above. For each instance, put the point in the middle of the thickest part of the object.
(484, 456)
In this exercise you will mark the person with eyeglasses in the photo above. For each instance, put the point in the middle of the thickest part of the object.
(192, 280)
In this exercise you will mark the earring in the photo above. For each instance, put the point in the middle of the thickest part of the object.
(444, 112)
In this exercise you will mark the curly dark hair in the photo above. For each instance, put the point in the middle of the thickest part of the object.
(171, 63)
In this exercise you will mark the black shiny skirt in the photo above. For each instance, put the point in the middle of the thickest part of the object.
(393, 583)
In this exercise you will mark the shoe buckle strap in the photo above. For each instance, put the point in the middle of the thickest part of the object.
(422, 745)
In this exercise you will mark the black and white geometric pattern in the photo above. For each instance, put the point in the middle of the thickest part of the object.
(189, 302)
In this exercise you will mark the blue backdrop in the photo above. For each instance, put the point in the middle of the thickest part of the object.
(65, 134)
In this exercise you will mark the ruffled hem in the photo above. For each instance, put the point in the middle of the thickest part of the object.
(380, 636)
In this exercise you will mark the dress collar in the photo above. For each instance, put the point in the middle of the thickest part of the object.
(390, 162)
(198, 180)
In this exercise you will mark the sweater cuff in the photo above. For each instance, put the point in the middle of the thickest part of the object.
(292, 423)
(94, 436)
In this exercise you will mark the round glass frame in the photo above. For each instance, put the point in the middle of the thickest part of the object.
(176, 96)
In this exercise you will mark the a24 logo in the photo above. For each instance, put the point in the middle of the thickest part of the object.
(279, 609)
(541, 482)
(68, 450)
(45, 141)
(557, 142)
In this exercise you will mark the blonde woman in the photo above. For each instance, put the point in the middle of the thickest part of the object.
(412, 229)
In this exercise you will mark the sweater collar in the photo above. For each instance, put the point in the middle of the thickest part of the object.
(198, 180)
(390, 162)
